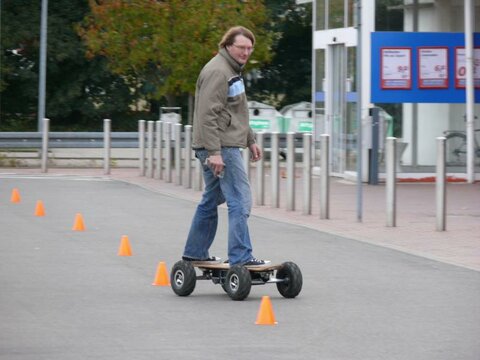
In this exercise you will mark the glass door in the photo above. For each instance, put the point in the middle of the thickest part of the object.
(336, 80)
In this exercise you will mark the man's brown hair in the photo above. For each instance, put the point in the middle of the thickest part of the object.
(229, 37)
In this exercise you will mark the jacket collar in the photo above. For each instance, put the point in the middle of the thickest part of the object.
(235, 65)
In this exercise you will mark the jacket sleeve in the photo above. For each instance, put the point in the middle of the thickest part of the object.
(212, 99)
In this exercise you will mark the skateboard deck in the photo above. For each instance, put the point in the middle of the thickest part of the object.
(222, 266)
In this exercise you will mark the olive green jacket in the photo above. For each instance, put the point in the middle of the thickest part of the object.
(221, 110)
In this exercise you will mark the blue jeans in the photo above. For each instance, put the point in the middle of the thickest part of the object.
(233, 188)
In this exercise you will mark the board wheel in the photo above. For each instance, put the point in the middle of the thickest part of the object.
(183, 278)
(238, 282)
(292, 275)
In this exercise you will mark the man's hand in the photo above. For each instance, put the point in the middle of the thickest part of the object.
(256, 152)
(215, 162)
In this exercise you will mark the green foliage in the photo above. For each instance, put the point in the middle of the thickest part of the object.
(287, 78)
(80, 92)
(160, 47)
(123, 59)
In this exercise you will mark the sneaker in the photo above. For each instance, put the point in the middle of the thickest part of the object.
(211, 258)
(256, 262)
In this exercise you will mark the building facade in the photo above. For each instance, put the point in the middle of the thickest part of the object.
(335, 87)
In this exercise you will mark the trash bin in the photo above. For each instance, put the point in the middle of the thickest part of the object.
(171, 117)
(264, 117)
(298, 117)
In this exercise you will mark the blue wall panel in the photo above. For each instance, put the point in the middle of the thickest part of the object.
(413, 41)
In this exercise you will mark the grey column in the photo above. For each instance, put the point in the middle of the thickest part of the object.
(260, 166)
(440, 185)
(246, 161)
(141, 146)
(324, 176)
(168, 152)
(178, 154)
(391, 175)
(290, 171)
(307, 174)
(150, 125)
(45, 131)
(274, 161)
(198, 176)
(188, 156)
(158, 149)
(106, 145)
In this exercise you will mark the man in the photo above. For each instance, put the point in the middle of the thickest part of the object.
(220, 129)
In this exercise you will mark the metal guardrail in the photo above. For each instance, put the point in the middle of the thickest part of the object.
(27, 140)
(33, 140)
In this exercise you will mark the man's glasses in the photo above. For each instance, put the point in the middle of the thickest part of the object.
(248, 49)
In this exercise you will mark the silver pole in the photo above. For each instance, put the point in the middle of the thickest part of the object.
(168, 152)
(359, 111)
(246, 161)
(150, 149)
(158, 155)
(198, 176)
(45, 130)
(290, 171)
(260, 165)
(188, 156)
(469, 6)
(391, 173)
(274, 161)
(178, 154)
(141, 146)
(440, 184)
(307, 174)
(106, 145)
(43, 65)
(324, 176)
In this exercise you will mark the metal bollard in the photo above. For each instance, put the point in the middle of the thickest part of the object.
(158, 149)
(106, 145)
(188, 156)
(290, 171)
(150, 149)
(324, 177)
(246, 161)
(198, 176)
(168, 152)
(45, 131)
(141, 146)
(440, 185)
(391, 175)
(274, 163)
(260, 195)
(307, 173)
(178, 154)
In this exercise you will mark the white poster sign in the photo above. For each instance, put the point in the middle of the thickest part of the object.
(396, 72)
(432, 67)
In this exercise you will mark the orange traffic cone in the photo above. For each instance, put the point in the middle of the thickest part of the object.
(79, 225)
(15, 196)
(265, 314)
(39, 209)
(125, 249)
(161, 277)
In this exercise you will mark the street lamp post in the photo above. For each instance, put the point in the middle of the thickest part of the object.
(43, 65)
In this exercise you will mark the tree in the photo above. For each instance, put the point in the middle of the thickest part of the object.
(287, 78)
(80, 92)
(161, 46)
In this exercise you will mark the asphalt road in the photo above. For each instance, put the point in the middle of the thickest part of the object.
(67, 295)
